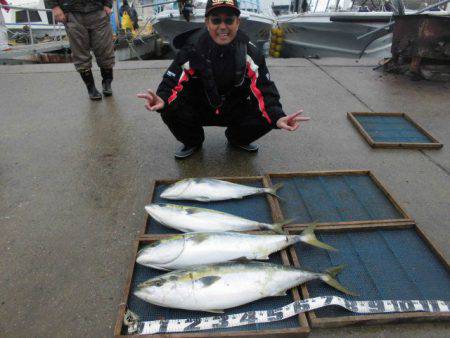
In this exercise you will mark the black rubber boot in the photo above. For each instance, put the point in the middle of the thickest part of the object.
(107, 75)
(88, 78)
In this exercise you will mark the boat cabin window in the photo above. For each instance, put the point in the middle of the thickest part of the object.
(21, 16)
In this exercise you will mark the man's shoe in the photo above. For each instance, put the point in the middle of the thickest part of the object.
(251, 147)
(186, 151)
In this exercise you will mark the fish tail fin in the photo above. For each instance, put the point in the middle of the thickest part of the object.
(278, 227)
(273, 190)
(308, 236)
(329, 275)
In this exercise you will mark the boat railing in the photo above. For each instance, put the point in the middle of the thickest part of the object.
(327, 6)
(250, 6)
(246, 5)
(57, 27)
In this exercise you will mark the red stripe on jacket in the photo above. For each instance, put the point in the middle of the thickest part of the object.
(179, 87)
(255, 90)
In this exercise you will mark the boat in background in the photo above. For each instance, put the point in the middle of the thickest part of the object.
(39, 19)
(332, 29)
(168, 22)
(341, 28)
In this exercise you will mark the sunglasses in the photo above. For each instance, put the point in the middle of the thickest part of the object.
(229, 20)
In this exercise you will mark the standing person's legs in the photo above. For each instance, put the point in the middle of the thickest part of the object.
(103, 46)
(186, 126)
(80, 45)
(246, 128)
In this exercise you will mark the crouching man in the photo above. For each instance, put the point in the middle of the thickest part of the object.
(219, 78)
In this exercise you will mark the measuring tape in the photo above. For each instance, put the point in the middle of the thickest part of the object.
(292, 309)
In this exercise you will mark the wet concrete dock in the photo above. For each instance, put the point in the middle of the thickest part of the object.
(75, 176)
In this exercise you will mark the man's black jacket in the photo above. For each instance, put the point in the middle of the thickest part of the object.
(82, 6)
(204, 74)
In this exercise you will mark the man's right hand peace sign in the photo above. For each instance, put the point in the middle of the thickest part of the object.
(153, 101)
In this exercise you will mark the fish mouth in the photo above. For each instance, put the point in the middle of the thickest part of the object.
(173, 252)
(152, 210)
(140, 293)
(176, 189)
(166, 194)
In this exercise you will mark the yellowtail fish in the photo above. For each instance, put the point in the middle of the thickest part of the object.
(210, 189)
(192, 219)
(216, 287)
(198, 248)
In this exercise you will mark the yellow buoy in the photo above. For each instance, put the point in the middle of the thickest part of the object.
(280, 40)
(278, 48)
(276, 54)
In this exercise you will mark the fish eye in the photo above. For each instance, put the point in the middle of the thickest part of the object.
(158, 283)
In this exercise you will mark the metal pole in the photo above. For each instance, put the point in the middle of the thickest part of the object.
(315, 7)
(159, 4)
(31, 30)
(116, 12)
(55, 36)
(337, 6)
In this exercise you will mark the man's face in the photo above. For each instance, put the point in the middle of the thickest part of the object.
(222, 26)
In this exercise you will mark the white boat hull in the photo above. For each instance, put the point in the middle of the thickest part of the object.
(315, 35)
(169, 24)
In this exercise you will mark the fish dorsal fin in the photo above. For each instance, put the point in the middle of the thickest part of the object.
(242, 259)
(208, 280)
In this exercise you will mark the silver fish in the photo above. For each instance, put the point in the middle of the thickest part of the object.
(216, 287)
(210, 189)
(198, 248)
(192, 219)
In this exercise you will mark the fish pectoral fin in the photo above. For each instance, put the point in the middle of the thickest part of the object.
(214, 311)
(208, 280)
(279, 294)
(199, 237)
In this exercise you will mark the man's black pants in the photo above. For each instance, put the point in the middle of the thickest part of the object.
(244, 123)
